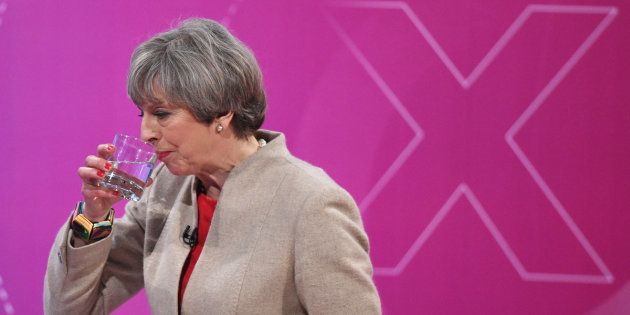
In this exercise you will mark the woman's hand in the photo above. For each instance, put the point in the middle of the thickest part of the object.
(98, 200)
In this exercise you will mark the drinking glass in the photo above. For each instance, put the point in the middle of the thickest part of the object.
(132, 163)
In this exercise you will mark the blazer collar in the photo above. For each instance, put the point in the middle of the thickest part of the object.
(275, 148)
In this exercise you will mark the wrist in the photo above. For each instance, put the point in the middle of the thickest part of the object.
(94, 216)
(96, 219)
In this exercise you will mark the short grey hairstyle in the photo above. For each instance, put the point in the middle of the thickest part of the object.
(201, 67)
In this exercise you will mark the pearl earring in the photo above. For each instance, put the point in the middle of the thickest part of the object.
(219, 128)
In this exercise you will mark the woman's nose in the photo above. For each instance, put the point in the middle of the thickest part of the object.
(148, 131)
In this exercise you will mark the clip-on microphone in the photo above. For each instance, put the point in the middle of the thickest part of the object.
(191, 238)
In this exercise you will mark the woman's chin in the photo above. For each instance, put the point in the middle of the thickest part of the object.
(177, 170)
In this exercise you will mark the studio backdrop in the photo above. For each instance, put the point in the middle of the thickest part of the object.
(487, 143)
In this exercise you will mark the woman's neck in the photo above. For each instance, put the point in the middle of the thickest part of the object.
(236, 152)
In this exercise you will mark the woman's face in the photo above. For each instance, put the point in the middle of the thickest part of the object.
(181, 142)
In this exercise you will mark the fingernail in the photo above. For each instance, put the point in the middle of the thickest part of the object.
(108, 166)
(110, 148)
(116, 193)
(100, 173)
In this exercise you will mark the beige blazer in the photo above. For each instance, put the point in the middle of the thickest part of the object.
(285, 239)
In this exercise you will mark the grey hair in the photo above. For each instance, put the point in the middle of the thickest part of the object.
(201, 67)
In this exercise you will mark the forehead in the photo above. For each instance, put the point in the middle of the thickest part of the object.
(160, 102)
(153, 96)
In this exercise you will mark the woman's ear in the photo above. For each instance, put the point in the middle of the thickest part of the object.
(226, 119)
(223, 122)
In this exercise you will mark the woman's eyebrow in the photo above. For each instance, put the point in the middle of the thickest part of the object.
(155, 104)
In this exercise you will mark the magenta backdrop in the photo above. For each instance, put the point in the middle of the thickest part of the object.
(487, 142)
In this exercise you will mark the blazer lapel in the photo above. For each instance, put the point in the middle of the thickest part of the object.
(238, 220)
(164, 265)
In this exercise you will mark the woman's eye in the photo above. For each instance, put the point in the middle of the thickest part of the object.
(161, 114)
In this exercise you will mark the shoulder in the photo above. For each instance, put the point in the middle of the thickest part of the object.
(301, 181)
(311, 179)
(312, 196)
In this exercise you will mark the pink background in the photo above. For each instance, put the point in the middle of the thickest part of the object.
(487, 142)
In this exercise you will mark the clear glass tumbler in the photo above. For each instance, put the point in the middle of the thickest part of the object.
(132, 163)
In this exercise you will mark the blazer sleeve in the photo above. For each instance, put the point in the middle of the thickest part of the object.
(333, 271)
(97, 278)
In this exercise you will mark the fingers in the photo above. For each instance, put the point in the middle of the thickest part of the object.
(93, 171)
(90, 191)
(105, 150)
(91, 178)
(98, 199)
(90, 175)
(98, 163)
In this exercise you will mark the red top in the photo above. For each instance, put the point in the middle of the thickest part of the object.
(205, 211)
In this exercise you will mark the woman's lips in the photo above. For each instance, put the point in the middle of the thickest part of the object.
(162, 155)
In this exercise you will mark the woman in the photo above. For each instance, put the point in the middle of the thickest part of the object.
(275, 234)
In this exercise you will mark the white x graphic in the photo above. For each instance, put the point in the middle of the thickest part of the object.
(466, 82)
